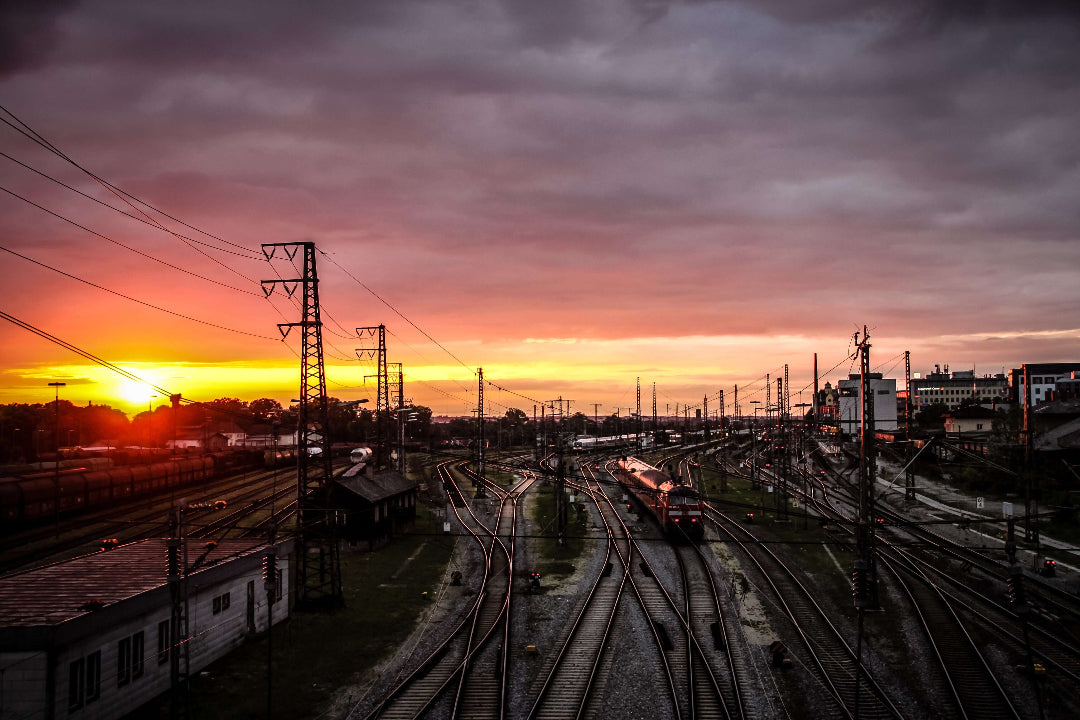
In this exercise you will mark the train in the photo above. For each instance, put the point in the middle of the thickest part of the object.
(38, 497)
(589, 442)
(676, 507)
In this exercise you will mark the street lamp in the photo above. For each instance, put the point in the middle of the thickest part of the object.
(150, 428)
(56, 429)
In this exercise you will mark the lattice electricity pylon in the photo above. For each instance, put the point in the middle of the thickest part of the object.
(318, 567)
(382, 403)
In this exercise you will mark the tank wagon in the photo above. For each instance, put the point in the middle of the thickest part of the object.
(34, 498)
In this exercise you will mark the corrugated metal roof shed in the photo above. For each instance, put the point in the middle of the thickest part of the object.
(58, 593)
(384, 484)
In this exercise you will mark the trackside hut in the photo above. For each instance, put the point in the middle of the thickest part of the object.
(89, 637)
(377, 505)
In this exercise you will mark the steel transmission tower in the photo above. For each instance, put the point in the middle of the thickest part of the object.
(377, 334)
(318, 566)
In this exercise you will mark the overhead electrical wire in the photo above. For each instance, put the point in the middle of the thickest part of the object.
(251, 255)
(148, 256)
(136, 300)
(36, 137)
(396, 311)
(24, 129)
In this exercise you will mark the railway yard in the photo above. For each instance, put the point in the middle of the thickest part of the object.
(755, 620)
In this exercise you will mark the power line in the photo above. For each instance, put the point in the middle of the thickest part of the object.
(127, 247)
(135, 300)
(395, 310)
(250, 256)
(36, 137)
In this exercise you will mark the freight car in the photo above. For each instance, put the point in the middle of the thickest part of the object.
(34, 498)
(676, 507)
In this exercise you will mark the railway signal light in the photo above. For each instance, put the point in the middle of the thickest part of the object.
(1015, 584)
(109, 543)
(270, 573)
(749, 517)
(1049, 568)
(860, 591)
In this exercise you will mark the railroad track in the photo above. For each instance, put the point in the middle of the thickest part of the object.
(970, 689)
(571, 675)
(128, 522)
(458, 664)
(1047, 643)
(832, 662)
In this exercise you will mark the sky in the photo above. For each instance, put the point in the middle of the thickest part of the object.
(571, 195)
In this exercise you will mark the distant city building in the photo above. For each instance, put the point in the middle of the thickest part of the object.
(1044, 380)
(829, 402)
(90, 637)
(884, 390)
(941, 387)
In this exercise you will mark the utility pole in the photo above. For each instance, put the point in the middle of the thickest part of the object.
(177, 618)
(1031, 531)
(784, 458)
(705, 414)
(655, 424)
(787, 396)
(768, 398)
(868, 598)
(596, 417)
(909, 472)
(318, 567)
(737, 411)
(723, 447)
(480, 439)
(864, 574)
(56, 464)
(815, 403)
(377, 334)
(637, 421)
(395, 371)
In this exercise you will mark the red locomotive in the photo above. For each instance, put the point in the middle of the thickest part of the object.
(676, 507)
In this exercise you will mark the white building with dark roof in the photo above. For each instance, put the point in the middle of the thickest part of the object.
(90, 637)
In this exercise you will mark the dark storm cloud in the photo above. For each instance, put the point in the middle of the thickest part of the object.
(28, 32)
(929, 150)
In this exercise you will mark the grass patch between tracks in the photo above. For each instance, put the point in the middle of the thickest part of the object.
(316, 654)
(558, 560)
